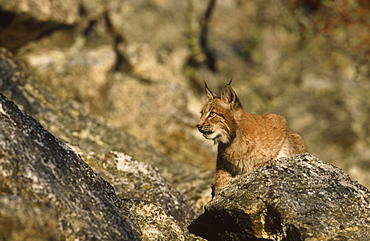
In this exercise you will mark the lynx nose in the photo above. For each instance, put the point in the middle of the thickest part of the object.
(203, 128)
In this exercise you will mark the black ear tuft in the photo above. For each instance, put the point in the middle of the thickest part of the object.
(209, 93)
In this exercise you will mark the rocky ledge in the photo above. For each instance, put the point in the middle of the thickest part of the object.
(298, 198)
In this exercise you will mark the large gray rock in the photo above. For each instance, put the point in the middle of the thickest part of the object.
(38, 170)
(298, 198)
(71, 124)
(161, 212)
(41, 176)
(139, 181)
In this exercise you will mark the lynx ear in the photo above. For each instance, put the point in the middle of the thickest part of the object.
(209, 93)
(229, 95)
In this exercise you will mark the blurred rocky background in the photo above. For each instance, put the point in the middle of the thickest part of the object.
(139, 65)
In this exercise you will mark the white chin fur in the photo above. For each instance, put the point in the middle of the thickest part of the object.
(218, 136)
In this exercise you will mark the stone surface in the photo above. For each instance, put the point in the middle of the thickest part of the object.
(64, 12)
(298, 198)
(160, 211)
(71, 124)
(23, 219)
(22, 21)
(41, 175)
(139, 181)
(43, 171)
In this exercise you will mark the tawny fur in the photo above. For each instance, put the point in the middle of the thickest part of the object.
(245, 141)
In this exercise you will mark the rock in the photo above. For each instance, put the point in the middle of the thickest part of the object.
(160, 211)
(41, 176)
(62, 12)
(102, 63)
(60, 68)
(25, 20)
(71, 124)
(21, 219)
(139, 181)
(298, 198)
(41, 170)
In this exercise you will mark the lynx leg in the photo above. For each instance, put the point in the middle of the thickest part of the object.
(222, 178)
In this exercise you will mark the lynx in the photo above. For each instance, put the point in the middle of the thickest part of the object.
(245, 141)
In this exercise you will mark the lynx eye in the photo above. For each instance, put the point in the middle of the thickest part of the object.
(211, 114)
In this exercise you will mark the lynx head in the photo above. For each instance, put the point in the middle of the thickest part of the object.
(217, 121)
